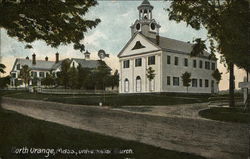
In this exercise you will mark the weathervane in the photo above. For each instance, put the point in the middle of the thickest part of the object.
(102, 54)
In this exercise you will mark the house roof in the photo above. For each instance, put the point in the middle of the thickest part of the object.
(51, 65)
(87, 63)
(56, 65)
(40, 64)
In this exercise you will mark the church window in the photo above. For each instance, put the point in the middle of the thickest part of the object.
(194, 82)
(194, 63)
(176, 60)
(176, 81)
(145, 11)
(212, 86)
(151, 60)
(201, 64)
(206, 83)
(138, 26)
(207, 65)
(126, 64)
(138, 62)
(185, 62)
(168, 80)
(138, 45)
(213, 66)
(153, 26)
(126, 85)
(168, 59)
(138, 84)
(200, 82)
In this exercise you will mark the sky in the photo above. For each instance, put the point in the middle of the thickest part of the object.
(111, 35)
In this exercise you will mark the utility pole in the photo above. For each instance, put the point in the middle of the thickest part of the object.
(0, 48)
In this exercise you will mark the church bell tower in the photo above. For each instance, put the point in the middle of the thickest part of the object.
(145, 24)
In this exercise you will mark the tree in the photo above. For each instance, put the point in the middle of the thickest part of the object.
(63, 75)
(83, 76)
(54, 21)
(4, 81)
(73, 78)
(150, 75)
(115, 79)
(186, 79)
(226, 23)
(198, 48)
(2, 67)
(101, 75)
(49, 80)
(25, 74)
(217, 76)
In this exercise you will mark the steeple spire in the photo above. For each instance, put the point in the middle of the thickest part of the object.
(146, 25)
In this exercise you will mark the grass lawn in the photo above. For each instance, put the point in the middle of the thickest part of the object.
(116, 100)
(237, 115)
(17, 131)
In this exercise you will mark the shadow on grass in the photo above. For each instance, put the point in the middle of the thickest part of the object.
(237, 115)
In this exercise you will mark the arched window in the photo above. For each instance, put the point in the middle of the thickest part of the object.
(126, 85)
(138, 84)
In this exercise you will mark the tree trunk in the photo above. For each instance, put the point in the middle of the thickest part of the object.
(231, 85)
(247, 101)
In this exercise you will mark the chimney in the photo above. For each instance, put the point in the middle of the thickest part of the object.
(87, 55)
(34, 59)
(27, 58)
(57, 57)
(157, 39)
(46, 58)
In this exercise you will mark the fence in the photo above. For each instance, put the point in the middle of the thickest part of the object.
(73, 91)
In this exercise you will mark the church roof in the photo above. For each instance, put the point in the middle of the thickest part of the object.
(173, 45)
(167, 44)
(145, 2)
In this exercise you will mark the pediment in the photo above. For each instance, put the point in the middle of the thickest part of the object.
(138, 44)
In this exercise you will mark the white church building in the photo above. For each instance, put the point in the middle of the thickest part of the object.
(169, 59)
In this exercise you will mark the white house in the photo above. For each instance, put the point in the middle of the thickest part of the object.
(168, 57)
(40, 68)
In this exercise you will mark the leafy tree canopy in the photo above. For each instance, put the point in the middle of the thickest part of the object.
(217, 75)
(227, 22)
(150, 73)
(54, 21)
(25, 74)
(186, 79)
